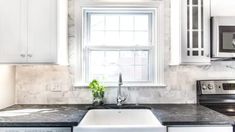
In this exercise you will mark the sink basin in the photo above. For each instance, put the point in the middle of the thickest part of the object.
(120, 120)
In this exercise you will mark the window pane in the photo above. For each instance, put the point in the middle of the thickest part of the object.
(126, 37)
(97, 58)
(127, 58)
(195, 2)
(106, 65)
(195, 18)
(119, 29)
(97, 37)
(127, 73)
(112, 22)
(141, 73)
(141, 22)
(97, 22)
(111, 58)
(195, 39)
(111, 37)
(141, 38)
(126, 22)
(112, 40)
(141, 58)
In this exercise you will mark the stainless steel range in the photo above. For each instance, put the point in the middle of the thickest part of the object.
(218, 95)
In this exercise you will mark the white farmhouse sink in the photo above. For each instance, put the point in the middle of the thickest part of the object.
(120, 120)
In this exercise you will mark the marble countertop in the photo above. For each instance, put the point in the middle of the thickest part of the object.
(71, 115)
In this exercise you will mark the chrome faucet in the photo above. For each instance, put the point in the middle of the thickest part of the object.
(120, 97)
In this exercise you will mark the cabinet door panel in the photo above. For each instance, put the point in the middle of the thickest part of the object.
(201, 129)
(12, 46)
(42, 31)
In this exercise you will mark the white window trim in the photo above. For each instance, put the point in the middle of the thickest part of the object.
(149, 11)
(158, 6)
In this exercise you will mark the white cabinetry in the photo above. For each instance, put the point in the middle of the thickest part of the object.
(42, 44)
(30, 30)
(190, 32)
(222, 7)
(11, 48)
(201, 129)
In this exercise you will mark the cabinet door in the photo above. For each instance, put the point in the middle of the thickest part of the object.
(201, 129)
(42, 33)
(195, 31)
(13, 45)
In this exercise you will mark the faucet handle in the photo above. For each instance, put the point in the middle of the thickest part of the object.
(123, 98)
(120, 100)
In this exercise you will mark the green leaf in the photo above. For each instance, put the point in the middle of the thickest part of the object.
(97, 88)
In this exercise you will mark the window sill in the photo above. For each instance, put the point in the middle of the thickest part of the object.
(145, 85)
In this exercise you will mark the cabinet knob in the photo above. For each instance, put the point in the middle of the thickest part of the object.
(30, 55)
(22, 55)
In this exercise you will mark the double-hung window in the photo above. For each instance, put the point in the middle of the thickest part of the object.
(119, 41)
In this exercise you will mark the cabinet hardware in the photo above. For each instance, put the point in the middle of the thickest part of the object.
(22, 55)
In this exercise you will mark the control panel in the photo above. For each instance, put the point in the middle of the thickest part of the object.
(217, 86)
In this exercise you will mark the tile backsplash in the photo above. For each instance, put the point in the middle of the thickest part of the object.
(52, 84)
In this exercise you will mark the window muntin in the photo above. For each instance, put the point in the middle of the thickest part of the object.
(119, 42)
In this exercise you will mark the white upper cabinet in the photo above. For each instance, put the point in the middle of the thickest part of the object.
(31, 31)
(222, 8)
(190, 32)
(11, 47)
(42, 31)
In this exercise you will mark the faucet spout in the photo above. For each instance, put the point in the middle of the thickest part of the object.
(120, 98)
(120, 79)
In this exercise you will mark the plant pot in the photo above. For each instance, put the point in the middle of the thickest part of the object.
(98, 101)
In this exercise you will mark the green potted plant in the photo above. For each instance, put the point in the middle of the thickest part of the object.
(97, 91)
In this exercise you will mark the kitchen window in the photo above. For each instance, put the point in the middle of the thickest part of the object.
(121, 40)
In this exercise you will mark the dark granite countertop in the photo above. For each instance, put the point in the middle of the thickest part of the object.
(186, 114)
(71, 115)
(42, 115)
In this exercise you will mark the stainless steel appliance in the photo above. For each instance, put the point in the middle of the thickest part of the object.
(218, 95)
(223, 39)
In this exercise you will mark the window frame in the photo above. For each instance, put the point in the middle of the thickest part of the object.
(78, 64)
(86, 47)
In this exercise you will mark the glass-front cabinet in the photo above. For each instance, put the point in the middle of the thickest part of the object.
(195, 31)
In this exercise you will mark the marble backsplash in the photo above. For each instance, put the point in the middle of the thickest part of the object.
(52, 84)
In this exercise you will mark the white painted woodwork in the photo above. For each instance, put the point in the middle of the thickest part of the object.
(175, 32)
(42, 31)
(12, 48)
(159, 35)
(200, 129)
(62, 32)
(33, 31)
(222, 8)
(7, 86)
(179, 31)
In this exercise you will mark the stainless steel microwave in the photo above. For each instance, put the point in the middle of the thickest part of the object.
(223, 38)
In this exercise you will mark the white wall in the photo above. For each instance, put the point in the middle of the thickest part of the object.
(52, 84)
(7, 85)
